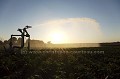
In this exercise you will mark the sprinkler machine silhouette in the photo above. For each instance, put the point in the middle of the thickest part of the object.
(24, 34)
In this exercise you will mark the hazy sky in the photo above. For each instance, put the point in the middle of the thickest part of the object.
(69, 20)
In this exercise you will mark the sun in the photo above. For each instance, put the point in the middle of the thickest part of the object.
(57, 37)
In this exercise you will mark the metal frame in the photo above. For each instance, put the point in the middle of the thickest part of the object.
(24, 34)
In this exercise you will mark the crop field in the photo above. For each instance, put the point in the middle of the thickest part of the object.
(61, 63)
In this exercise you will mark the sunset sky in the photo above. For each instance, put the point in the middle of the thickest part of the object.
(62, 21)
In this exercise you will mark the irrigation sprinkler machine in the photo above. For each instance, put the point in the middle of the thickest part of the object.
(24, 34)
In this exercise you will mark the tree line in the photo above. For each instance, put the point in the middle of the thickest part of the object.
(17, 41)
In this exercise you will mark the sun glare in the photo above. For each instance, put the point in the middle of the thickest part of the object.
(57, 37)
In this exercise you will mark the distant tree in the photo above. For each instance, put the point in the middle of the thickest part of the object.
(6, 42)
(49, 42)
(35, 43)
(14, 40)
(1, 42)
(41, 42)
(19, 41)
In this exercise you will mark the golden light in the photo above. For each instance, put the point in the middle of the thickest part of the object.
(71, 30)
(58, 37)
